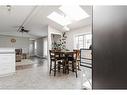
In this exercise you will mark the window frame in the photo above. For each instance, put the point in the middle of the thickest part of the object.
(77, 46)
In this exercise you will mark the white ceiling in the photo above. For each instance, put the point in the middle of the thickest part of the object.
(37, 22)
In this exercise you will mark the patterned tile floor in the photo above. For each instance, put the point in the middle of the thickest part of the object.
(37, 76)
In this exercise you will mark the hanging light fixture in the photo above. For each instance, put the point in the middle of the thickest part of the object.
(9, 7)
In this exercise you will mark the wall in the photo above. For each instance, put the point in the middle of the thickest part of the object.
(71, 34)
(5, 41)
(52, 30)
(31, 48)
(45, 48)
(41, 50)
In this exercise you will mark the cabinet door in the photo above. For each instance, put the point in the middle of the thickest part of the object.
(7, 63)
(110, 47)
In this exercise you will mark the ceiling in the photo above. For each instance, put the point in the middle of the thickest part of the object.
(36, 22)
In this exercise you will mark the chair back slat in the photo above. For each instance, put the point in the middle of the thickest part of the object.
(77, 54)
(54, 54)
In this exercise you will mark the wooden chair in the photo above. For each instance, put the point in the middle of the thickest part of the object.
(77, 58)
(55, 60)
(72, 60)
(18, 54)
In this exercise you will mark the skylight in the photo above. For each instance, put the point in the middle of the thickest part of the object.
(74, 12)
(59, 19)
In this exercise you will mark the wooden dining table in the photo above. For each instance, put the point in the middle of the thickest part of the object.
(64, 55)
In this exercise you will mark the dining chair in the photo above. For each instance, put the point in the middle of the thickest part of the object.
(77, 58)
(72, 61)
(55, 61)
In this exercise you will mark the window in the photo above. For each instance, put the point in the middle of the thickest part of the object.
(68, 15)
(83, 41)
(59, 19)
(80, 42)
(35, 45)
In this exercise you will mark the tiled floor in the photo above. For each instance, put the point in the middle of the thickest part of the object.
(37, 77)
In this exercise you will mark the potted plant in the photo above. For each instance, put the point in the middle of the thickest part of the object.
(61, 44)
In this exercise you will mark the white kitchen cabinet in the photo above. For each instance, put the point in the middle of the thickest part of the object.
(7, 61)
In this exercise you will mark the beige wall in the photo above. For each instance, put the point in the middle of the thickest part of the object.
(21, 42)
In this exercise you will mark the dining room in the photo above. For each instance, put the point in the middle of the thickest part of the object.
(63, 47)
(70, 53)
(59, 47)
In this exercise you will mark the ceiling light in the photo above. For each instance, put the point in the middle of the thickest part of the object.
(9, 7)
(74, 12)
(59, 19)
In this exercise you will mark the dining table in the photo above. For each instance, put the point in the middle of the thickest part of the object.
(65, 57)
